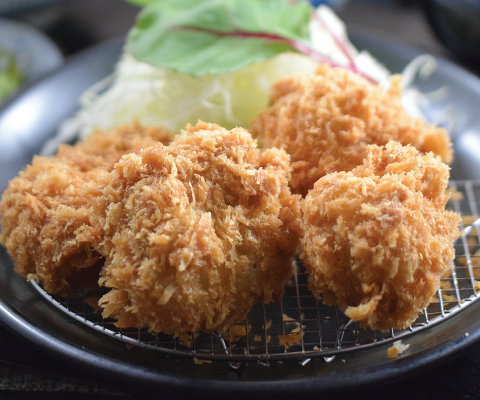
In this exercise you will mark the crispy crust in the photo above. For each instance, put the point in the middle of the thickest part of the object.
(378, 239)
(196, 232)
(47, 222)
(326, 121)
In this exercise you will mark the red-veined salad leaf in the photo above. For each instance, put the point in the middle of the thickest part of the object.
(215, 36)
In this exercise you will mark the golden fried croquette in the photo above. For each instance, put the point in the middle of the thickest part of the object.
(104, 148)
(378, 239)
(47, 222)
(326, 121)
(196, 232)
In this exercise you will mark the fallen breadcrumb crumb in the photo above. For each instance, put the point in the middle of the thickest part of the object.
(238, 332)
(290, 339)
(201, 361)
(287, 318)
(468, 220)
(396, 349)
(296, 329)
(447, 286)
(455, 195)
(187, 339)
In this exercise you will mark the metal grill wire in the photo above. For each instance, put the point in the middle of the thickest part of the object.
(300, 326)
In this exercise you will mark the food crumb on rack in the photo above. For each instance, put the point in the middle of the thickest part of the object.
(468, 220)
(297, 329)
(448, 298)
(201, 362)
(396, 349)
(186, 339)
(259, 338)
(455, 195)
(447, 286)
(237, 332)
(287, 318)
(291, 339)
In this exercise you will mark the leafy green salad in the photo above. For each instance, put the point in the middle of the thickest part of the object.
(214, 60)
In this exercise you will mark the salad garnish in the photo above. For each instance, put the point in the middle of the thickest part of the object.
(198, 37)
(10, 75)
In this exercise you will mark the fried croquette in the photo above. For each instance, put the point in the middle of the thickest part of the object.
(378, 238)
(196, 232)
(325, 122)
(47, 222)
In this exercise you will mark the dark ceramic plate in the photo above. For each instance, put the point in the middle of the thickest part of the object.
(33, 116)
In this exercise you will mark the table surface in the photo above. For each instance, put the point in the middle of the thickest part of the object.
(27, 373)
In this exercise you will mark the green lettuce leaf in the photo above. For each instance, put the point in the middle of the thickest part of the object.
(216, 36)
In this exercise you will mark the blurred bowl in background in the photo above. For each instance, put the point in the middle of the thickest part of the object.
(16, 7)
(335, 4)
(25, 53)
(456, 23)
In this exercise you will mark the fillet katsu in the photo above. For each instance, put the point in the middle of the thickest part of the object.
(326, 121)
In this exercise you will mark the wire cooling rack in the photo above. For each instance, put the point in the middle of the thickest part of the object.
(300, 326)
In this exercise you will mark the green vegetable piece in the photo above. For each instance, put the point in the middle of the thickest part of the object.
(216, 36)
(10, 76)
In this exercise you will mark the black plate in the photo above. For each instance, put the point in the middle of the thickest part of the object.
(33, 116)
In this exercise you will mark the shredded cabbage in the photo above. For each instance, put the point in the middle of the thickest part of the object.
(172, 99)
(417, 103)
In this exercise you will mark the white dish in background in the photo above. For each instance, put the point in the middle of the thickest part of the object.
(14, 7)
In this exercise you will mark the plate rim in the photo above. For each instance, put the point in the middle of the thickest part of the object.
(113, 369)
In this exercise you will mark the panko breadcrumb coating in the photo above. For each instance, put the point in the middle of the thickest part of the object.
(326, 121)
(378, 239)
(196, 232)
(47, 222)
